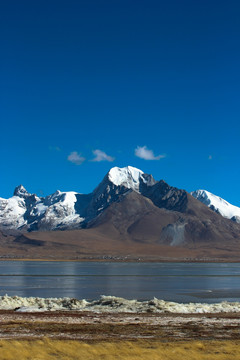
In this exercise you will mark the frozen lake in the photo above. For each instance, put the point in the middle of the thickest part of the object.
(180, 282)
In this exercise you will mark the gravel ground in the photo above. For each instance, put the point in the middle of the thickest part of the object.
(89, 326)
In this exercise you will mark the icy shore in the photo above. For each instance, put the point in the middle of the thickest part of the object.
(112, 304)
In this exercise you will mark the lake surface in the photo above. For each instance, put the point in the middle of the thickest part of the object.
(180, 282)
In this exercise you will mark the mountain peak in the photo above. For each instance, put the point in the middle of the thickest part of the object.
(128, 176)
(21, 191)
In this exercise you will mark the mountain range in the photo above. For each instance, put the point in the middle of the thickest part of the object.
(128, 214)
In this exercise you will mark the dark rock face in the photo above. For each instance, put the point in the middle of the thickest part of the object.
(21, 192)
(105, 194)
(31, 214)
(167, 197)
(236, 219)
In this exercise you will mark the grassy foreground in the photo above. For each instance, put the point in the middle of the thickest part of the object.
(47, 349)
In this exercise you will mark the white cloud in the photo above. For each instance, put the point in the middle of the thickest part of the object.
(144, 153)
(76, 158)
(101, 156)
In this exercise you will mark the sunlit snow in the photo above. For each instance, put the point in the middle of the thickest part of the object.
(127, 176)
(218, 204)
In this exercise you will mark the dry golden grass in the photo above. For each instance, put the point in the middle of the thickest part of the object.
(47, 349)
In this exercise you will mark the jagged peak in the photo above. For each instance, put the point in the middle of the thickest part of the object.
(57, 193)
(21, 191)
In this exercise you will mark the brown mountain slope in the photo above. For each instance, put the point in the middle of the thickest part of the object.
(138, 219)
(135, 228)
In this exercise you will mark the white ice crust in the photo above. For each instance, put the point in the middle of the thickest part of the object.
(222, 206)
(112, 304)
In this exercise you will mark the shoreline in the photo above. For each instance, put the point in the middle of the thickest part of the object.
(159, 260)
(114, 305)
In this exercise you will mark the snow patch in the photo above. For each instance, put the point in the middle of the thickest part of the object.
(12, 212)
(217, 204)
(128, 176)
(62, 211)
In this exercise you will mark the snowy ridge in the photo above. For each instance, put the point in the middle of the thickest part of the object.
(28, 211)
(217, 204)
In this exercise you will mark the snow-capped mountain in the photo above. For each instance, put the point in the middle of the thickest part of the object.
(62, 210)
(218, 204)
(30, 212)
(72, 210)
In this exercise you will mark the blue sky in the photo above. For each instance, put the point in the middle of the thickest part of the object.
(88, 85)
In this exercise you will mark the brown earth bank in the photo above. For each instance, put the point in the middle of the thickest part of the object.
(95, 245)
